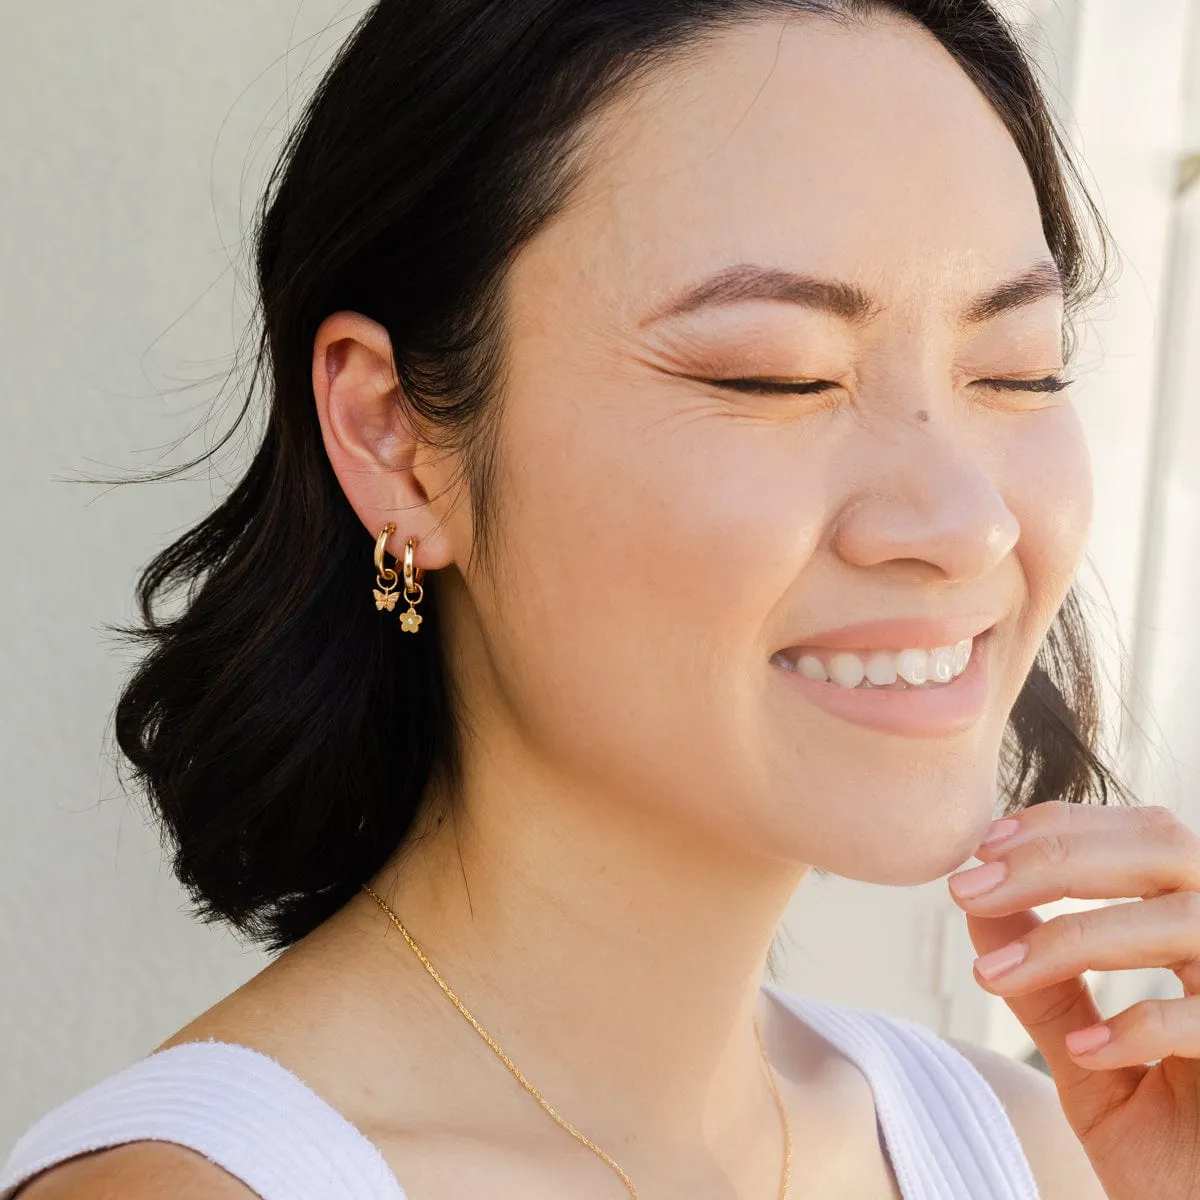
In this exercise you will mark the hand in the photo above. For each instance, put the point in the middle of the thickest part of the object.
(1138, 1119)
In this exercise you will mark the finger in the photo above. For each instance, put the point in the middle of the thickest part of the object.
(1060, 818)
(1161, 932)
(1048, 1015)
(1146, 1032)
(1038, 868)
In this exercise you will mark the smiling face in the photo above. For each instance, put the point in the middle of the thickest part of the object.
(836, 214)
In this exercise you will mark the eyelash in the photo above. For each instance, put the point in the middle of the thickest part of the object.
(808, 387)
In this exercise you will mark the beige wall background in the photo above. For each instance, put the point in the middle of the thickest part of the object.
(134, 135)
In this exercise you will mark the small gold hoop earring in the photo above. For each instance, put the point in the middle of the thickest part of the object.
(386, 578)
(410, 621)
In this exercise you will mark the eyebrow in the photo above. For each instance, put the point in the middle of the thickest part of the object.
(746, 281)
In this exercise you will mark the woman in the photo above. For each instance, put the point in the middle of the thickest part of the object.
(669, 487)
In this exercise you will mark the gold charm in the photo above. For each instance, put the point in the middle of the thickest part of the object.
(386, 577)
(410, 621)
(385, 599)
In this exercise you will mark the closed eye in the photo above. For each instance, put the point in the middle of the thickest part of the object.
(803, 387)
(794, 387)
(1049, 383)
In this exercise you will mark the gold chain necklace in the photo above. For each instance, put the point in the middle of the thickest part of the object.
(508, 1062)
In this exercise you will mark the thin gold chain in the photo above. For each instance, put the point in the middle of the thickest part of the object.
(508, 1062)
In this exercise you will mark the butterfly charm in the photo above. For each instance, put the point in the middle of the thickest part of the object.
(385, 600)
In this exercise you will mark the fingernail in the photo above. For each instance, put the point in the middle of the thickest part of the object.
(1004, 959)
(978, 880)
(1081, 1041)
(1000, 829)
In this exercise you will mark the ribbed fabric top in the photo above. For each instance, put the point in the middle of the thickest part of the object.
(236, 1106)
(944, 1128)
(945, 1131)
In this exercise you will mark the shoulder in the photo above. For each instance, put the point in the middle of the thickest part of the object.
(136, 1171)
(1029, 1097)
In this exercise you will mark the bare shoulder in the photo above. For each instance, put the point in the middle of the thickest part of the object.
(137, 1171)
(304, 1010)
(1060, 1165)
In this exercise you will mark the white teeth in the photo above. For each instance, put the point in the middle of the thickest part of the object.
(881, 669)
(962, 655)
(811, 667)
(941, 663)
(913, 666)
(884, 668)
(846, 670)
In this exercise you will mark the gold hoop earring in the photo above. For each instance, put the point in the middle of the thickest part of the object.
(410, 621)
(386, 578)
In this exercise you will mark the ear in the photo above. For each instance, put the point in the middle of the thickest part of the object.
(387, 472)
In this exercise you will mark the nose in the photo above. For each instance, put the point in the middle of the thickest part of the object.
(929, 502)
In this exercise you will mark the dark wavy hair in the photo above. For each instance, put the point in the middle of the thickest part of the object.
(285, 736)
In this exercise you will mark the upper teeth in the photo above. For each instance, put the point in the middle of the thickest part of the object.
(882, 667)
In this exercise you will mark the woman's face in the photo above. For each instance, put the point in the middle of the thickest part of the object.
(664, 536)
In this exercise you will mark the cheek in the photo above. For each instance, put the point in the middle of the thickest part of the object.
(654, 545)
(690, 524)
(1048, 485)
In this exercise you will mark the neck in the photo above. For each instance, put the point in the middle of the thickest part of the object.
(614, 956)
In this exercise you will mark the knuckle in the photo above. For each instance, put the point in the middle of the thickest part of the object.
(1047, 813)
(1050, 850)
(1063, 1004)
(1147, 1019)
(1161, 824)
(1189, 907)
(1185, 841)
(1158, 820)
(1067, 934)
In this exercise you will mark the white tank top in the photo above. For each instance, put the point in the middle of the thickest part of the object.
(944, 1129)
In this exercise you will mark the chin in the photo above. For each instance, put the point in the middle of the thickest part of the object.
(899, 833)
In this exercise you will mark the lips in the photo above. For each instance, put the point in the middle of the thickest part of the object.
(893, 634)
(928, 710)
